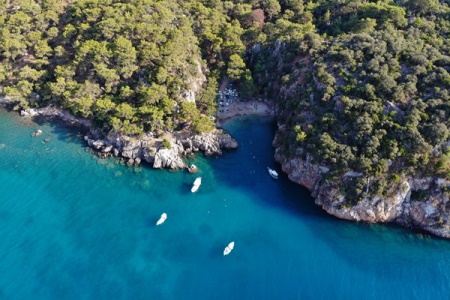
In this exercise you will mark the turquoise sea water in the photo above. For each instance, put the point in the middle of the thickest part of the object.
(75, 227)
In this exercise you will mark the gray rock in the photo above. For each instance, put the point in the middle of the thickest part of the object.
(130, 162)
(137, 161)
(131, 148)
(148, 154)
(227, 142)
(97, 144)
(210, 143)
(169, 158)
(107, 148)
(29, 112)
(430, 214)
(37, 133)
(5, 100)
(192, 169)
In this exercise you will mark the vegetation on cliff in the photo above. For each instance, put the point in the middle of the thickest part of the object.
(361, 85)
(366, 91)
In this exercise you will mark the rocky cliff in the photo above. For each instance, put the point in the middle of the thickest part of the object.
(153, 151)
(146, 148)
(417, 203)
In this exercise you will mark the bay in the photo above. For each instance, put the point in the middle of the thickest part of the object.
(76, 227)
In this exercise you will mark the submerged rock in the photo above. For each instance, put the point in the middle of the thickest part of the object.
(130, 162)
(192, 169)
(37, 133)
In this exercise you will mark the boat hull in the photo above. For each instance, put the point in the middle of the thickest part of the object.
(196, 185)
(228, 248)
(162, 219)
(272, 173)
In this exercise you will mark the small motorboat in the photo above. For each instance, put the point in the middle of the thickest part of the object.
(272, 173)
(162, 219)
(228, 248)
(196, 185)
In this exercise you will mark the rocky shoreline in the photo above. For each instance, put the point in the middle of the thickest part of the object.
(430, 214)
(154, 152)
(146, 148)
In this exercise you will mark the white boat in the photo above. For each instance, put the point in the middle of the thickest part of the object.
(272, 173)
(162, 219)
(196, 185)
(228, 248)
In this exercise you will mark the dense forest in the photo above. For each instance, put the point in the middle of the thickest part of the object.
(360, 85)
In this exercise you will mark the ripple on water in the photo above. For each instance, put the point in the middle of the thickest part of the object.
(76, 225)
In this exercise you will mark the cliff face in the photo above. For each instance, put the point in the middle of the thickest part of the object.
(430, 213)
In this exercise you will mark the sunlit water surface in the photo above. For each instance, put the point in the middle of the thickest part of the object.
(76, 227)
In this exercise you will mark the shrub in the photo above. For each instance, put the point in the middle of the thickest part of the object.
(166, 144)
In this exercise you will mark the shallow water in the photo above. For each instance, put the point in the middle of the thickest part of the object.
(76, 227)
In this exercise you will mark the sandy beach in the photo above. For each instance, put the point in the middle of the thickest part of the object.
(239, 108)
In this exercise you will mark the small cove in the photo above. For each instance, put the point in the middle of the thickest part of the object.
(76, 227)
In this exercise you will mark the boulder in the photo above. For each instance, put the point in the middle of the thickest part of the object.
(227, 142)
(131, 149)
(192, 169)
(137, 161)
(107, 148)
(130, 162)
(37, 133)
(29, 112)
(169, 158)
(97, 144)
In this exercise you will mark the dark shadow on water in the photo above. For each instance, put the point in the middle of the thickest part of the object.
(372, 245)
(254, 155)
(246, 170)
(63, 131)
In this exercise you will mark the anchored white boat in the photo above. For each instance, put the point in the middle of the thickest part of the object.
(162, 219)
(228, 248)
(196, 185)
(272, 173)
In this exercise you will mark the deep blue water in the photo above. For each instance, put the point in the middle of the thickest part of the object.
(76, 227)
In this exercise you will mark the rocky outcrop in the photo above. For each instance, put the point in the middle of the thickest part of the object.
(430, 211)
(192, 169)
(146, 148)
(150, 149)
(210, 143)
(300, 171)
(369, 209)
(169, 158)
